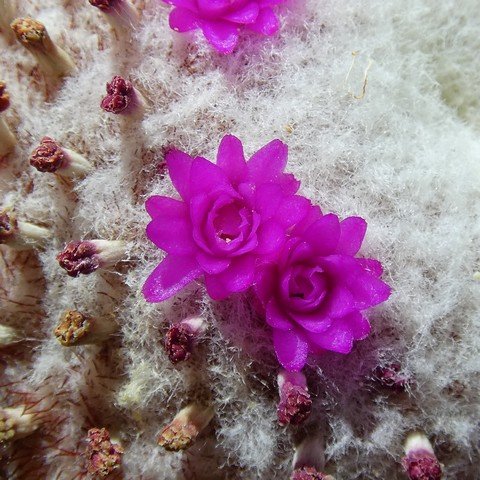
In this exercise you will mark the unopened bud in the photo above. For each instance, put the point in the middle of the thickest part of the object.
(16, 423)
(123, 98)
(7, 139)
(87, 256)
(185, 427)
(309, 460)
(102, 454)
(33, 35)
(420, 462)
(19, 234)
(76, 328)
(295, 403)
(390, 376)
(121, 14)
(181, 338)
(49, 156)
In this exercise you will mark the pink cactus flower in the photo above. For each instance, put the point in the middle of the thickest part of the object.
(315, 294)
(232, 217)
(222, 20)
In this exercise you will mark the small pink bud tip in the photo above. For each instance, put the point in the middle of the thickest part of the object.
(308, 473)
(79, 258)
(422, 465)
(103, 456)
(8, 226)
(390, 376)
(295, 403)
(48, 156)
(121, 98)
(4, 97)
(179, 343)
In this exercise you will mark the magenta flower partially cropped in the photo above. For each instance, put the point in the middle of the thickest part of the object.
(222, 20)
(232, 216)
(315, 293)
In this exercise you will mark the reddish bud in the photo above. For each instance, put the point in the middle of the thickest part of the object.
(122, 98)
(308, 473)
(390, 376)
(295, 403)
(4, 97)
(103, 456)
(420, 462)
(180, 338)
(48, 156)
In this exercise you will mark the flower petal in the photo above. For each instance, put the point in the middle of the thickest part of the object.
(246, 14)
(276, 318)
(211, 264)
(268, 197)
(338, 338)
(291, 349)
(231, 160)
(179, 166)
(291, 210)
(169, 277)
(267, 22)
(236, 278)
(359, 324)
(190, 4)
(205, 176)
(323, 235)
(182, 20)
(159, 231)
(271, 236)
(340, 301)
(352, 234)
(371, 266)
(368, 290)
(313, 322)
(223, 36)
(165, 207)
(265, 281)
(269, 162)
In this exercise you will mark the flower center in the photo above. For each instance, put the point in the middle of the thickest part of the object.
(306, 287)
(227, 222)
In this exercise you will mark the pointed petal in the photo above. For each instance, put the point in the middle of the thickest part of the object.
(169, 277)
(292, 210)
(246, 14)
(264, 282)
(211, 264)
(275, 317)
(223, 36)
(323, 235)
(231, 160)
(368, 290)
(165, 207)
(271, 236)
(338, 338)
(352, 234)
(291, 350)
(315, 323)
(267, 22)
(205, 176)
(179, 166)
(236, 278)
(340, 302)
(267, 199)
(159, 231)
(371, 266)
(269, 162)
(182, 20)
(359, 325)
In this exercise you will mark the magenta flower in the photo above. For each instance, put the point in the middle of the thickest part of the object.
(233, 216)
(221, 20)
(314, 295)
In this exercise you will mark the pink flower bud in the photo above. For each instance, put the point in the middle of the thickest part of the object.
(180, 338)
(4, 97)
(103, 456)
(420, 462)
(50, 157)
(390, 376)
(309, 460)
(119, 13)
(87, 256)
(122, 98)
(76, 328)
(33, 35)
(185, 427)
(309, 473)
(295, 403)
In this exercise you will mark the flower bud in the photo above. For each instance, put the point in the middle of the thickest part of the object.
(49, 156)
(390, 376)
(185, 427)
(181, 337)
(295, 403)
(87, 256)
(420, 462)
(103, 456)
(120, 14)
(76, 328)
(33, 35)
(309, 460)
(18, 234)
(8, 336)
(123, 98)
(7, 139)
(15, 423)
